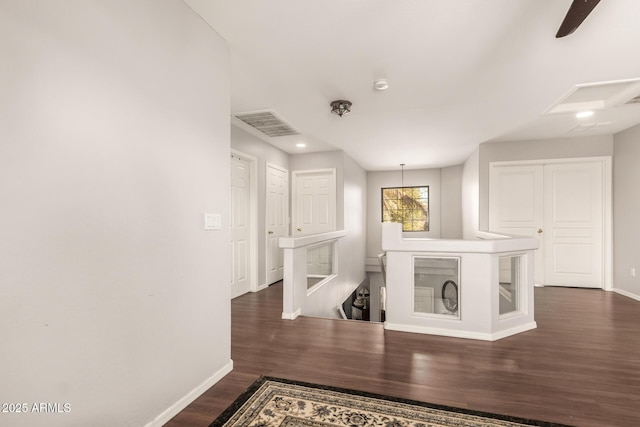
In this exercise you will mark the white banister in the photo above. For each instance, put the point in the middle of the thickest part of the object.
(292, 242)
(295, 288)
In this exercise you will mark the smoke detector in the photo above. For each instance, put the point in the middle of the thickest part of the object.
(381, 84)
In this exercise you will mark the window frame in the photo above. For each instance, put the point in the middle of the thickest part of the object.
(428, 220)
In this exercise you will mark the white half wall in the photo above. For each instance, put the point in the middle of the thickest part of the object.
(626, 211)
(114, 120)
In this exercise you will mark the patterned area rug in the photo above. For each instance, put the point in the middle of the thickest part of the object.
(283, 403)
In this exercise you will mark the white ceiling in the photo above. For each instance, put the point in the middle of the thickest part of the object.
(461, 72)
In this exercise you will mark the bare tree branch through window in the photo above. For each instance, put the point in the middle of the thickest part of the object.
(406, 205)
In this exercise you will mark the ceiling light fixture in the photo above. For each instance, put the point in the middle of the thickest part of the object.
(340, 107)
(381, 84)
(583, 114)
(301, 145)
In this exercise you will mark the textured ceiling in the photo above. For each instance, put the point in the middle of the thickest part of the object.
(461, 72)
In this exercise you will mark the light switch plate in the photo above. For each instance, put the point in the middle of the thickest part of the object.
(212, 221)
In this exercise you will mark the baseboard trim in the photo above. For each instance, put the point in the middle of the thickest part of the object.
(460, 334)
(512, 331)
(291, 316)
(626, 294)
(175, 409)
(437, 331)
(261, 287)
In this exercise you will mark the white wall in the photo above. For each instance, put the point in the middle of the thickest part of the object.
(378, 180)
(471, 195)
(113, 118)
(353, 245)
(626, 211)
(351, 196)
(535, 150)
(264, 153)
(451, 202)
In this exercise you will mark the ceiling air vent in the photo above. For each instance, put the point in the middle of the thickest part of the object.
(597, 96)
(267, 122)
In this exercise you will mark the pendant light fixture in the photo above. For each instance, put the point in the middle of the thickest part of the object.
(402, 175)
(340, 107)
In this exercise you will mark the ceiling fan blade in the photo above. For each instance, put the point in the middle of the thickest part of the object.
(578, 11)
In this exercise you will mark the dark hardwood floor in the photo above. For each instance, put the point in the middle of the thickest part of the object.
(581, 366)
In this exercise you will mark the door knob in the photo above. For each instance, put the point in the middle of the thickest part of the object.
(299, 229)
(270, 232)
(539, 230)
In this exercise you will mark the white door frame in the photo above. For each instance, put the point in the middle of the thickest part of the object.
(295, 176)
(266, 218)
(607, 203)
(253, 217)
(534, 200)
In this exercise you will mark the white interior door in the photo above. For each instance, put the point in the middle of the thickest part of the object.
(574, 225)
(516, 206)
(561, 204)
(240, 227)
(314, 202)
(277, 220)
